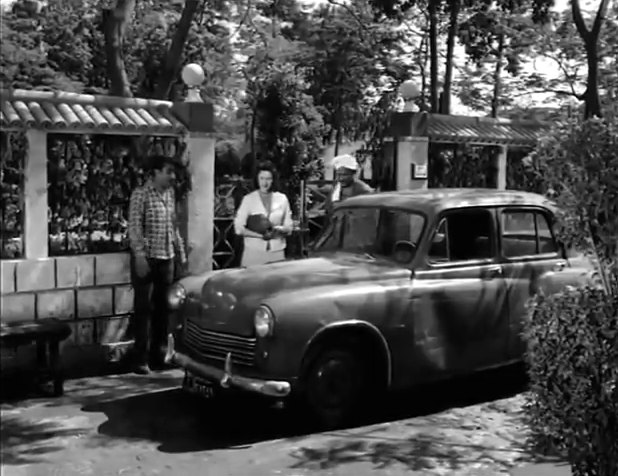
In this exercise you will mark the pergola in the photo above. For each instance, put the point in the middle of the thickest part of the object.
(93, 291)
(412, 133)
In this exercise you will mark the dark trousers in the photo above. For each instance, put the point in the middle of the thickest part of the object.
(151, 313)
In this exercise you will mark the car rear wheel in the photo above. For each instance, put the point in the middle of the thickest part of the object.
(335, 386)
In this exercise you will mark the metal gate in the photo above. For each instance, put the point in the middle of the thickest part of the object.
(309, 215)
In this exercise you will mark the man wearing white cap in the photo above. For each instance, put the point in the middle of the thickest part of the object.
(347, 185)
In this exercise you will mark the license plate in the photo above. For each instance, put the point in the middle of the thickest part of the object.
(199, 386)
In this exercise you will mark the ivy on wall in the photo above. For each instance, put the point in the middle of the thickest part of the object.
(12, 163)
(518, 175)
(90, 180)
(462, 165)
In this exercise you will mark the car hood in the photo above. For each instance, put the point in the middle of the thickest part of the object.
(230, 297)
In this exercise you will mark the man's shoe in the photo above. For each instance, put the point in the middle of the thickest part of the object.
(142, 369)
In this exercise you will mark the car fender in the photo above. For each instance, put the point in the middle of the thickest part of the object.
(353, 324)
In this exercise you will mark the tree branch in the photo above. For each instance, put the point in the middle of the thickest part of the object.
(559, 92)
(242, 20)
(114, 26)
(567, 75)
(598, 19)
(350, 11)
(173, 58)
(579, 20)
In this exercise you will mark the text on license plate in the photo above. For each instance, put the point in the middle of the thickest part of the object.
(197, 385)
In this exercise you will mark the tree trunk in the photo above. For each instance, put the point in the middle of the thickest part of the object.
(173, 59)
(114, 26)
(433, 54)
(592, 100)
(591, 40)
(445, 107)
(495, 98)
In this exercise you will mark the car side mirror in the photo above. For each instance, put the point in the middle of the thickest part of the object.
(563, 249)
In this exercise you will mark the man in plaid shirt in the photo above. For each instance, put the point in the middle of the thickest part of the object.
(156, 245)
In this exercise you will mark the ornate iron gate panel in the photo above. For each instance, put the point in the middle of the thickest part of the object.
(313, 214)
(227, 247)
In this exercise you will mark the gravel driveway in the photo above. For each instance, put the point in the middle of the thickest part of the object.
(136, 425)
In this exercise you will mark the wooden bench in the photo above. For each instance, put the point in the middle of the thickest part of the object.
(47, 335)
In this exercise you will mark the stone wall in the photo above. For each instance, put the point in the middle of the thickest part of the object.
(91, 292)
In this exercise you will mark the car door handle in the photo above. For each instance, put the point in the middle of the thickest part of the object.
(493, 272)
(559, 266)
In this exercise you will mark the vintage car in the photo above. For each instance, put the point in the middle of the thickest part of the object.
(402, 288)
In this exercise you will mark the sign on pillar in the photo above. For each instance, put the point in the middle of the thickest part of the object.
(412, 166)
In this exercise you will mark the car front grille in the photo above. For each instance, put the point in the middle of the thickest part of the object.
(216, 345)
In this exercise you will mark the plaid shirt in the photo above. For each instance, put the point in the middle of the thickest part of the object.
(152, 224)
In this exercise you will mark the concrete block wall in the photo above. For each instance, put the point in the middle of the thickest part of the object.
(91, 292)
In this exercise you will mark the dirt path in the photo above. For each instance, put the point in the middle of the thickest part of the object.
(130, 425)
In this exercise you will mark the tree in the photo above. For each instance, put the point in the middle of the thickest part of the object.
(348, 58)
(288, 128)
(590, 38)
(24, 62)
(572, 336)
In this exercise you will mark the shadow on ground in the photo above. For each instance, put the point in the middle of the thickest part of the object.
(182, 423)
(421, 452)
(25, 442)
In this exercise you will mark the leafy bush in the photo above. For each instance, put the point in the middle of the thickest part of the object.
(90, 180)
(572, 336)
(289, 130)
(12, 162)
(573, 366)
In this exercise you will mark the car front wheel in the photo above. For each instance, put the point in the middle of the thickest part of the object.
(335, 386)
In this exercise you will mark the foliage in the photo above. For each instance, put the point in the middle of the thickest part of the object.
(572, 341)
(14, 151)
(462, 165)
(24, 62)
(351, 61)
(90, 183)
(578, 166)
(289, 129)
(572, 336)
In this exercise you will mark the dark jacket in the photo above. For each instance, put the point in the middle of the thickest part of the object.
(358, 188)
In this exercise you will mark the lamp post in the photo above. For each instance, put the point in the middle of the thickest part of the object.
(409, 91)
(193, 76)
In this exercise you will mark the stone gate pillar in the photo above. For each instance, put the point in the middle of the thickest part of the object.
(410, 153)
(198, 116)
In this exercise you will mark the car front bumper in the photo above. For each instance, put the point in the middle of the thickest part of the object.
(225, 376)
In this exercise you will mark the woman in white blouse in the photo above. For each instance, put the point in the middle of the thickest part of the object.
(270, 246)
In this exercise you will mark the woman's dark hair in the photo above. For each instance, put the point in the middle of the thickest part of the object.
(266, 166)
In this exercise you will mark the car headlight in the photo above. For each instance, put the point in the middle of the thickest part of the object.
(264, 321)
(176, 295)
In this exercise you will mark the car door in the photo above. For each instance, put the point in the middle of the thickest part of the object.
(464, 323)
(528, 250)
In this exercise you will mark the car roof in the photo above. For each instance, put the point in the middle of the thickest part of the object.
(435, 200)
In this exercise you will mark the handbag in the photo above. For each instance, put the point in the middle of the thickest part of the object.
(259, 223)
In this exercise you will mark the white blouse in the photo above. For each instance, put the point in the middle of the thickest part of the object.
(280, 215)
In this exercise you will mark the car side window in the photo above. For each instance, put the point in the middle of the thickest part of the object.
(526, 233)
(360, 229)
(463, 235)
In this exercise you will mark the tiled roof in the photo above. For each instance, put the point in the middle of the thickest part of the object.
(463, 129)
(60, 111)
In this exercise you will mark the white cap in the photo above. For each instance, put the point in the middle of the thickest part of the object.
(345, 161)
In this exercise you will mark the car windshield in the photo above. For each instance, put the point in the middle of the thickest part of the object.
(377, 232)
